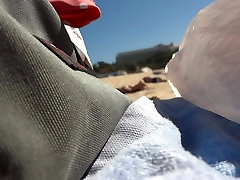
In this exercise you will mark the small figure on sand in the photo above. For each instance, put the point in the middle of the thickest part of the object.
(141, 85)
(131, 89)
(148, 79)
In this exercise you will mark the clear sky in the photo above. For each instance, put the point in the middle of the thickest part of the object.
(135, 24)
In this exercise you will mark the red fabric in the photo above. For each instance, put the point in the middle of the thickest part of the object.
(76, 13)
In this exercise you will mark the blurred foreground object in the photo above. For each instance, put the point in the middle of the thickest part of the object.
(206, 68)
(76, 13)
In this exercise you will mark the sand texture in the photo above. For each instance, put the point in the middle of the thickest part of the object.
(160, 90)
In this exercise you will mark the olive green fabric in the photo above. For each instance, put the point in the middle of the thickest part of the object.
(39, 18)
(53, 121)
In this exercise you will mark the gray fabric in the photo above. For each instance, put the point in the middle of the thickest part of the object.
(54, 121)
(39, 18)
(137, 121)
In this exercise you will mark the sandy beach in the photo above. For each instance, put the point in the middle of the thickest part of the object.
(160, 90)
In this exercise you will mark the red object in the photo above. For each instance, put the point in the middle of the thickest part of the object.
(76, 13)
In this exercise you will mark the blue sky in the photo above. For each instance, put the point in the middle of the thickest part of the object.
(136, 24)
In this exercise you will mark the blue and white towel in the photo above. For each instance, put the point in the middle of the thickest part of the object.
(146, 145)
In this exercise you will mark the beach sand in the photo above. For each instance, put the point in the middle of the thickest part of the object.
(160, 90)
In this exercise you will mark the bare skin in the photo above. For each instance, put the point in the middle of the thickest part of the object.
(131, 89)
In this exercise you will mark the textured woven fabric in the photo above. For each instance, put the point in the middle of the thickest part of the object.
(158, 155)
(140, 119)
(205, 134)
(54, 121)
(40, 19)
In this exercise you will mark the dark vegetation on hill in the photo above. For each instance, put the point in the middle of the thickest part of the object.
(157, 61)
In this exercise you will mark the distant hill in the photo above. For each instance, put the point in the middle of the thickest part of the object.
(137, 56)
(132, 61)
